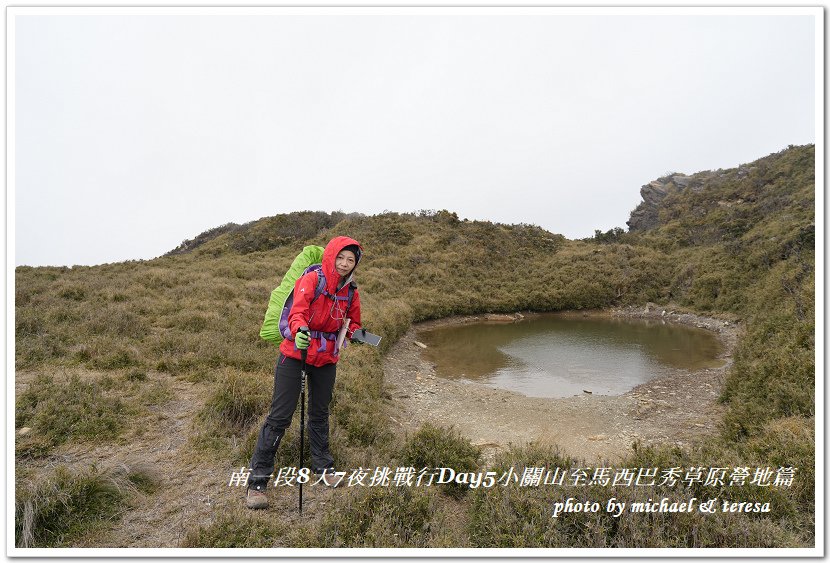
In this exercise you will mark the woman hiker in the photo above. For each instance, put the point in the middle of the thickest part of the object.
(324, 317)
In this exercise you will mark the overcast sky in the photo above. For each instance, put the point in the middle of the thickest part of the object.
(135, 132)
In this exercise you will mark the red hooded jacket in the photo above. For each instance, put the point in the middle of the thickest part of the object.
(324, 314)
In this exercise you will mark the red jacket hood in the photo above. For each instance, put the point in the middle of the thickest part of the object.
(330, 253)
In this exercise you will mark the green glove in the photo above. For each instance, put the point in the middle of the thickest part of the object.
(302, 340)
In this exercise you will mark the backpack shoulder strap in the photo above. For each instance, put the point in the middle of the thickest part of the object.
(321, 281)
(352, 288)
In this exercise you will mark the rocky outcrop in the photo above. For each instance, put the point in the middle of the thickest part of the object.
(646, 215)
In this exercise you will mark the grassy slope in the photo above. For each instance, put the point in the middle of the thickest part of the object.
(743, 245)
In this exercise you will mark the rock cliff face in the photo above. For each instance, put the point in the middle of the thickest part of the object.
(646, 215)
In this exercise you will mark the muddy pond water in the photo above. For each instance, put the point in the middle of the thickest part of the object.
(551, 355)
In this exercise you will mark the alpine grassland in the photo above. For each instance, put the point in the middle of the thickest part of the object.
(140, 386)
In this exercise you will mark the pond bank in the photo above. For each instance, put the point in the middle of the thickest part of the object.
(677, 409)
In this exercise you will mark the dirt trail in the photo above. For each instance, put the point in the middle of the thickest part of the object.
(194, 492)
(677, 409)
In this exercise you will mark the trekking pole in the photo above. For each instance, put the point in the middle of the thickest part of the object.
(303, 354)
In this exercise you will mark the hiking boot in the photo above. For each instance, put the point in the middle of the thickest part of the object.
(256, 499)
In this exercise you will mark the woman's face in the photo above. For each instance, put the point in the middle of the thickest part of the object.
(344, 263)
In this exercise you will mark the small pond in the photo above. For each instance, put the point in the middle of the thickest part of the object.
(552, 355)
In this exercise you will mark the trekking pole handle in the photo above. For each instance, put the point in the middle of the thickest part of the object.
(304, 351)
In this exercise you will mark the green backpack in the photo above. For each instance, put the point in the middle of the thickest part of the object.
(282, 297)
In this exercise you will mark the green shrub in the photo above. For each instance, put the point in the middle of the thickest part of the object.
(381, 517)
(117, 358)
(118, 321)
(514, 516)
(74, 410)
(432, 446)
(28, 323)
(236, 531)
(357, 401)
(136, 375)
(772, 376)
(73, 293)
(57, 510)
(787, 442)
(238, 400)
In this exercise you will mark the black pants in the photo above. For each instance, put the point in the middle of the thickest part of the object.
(319, 385)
